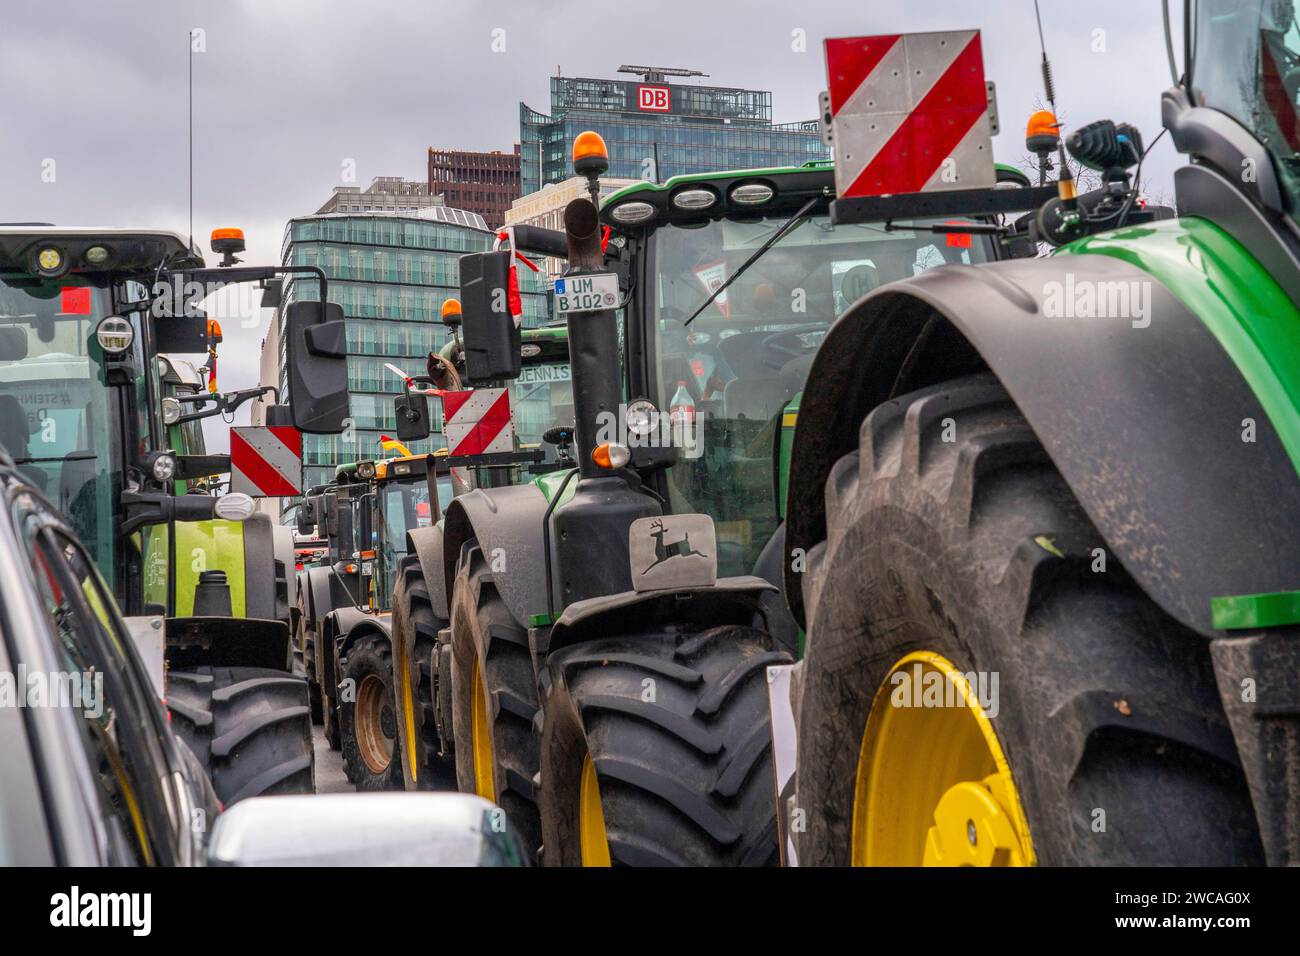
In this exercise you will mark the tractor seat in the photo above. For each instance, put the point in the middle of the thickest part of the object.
(755, 399)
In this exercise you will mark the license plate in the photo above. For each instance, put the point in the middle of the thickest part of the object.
(586, 293)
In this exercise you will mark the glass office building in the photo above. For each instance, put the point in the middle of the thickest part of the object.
(655, 130)
(391, 274)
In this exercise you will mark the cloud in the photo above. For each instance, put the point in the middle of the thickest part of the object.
(285, 92)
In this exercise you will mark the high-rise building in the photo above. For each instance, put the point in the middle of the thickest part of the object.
(391, 274)
(384, 194)
(655, 129)
(484, 183)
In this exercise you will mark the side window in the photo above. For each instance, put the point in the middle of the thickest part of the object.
(98, 682)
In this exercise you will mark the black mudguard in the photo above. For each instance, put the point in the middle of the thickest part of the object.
(351, 624)
(737, 600)
(427, 546)
(340, 629)
(1144, 423)
(508, 524)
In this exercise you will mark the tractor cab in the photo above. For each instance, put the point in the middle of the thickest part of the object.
(736, 279)
(391, 497)
(79, 406)
(1246, 63)
(99, 415)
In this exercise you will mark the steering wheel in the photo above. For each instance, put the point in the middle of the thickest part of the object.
(558, 435)
(786, 346)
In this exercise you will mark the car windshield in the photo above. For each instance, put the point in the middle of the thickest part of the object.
(1246, 63)
(56, 417)
(742, 360)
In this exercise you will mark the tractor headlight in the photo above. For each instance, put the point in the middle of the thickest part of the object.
(365, 470)
(752, 194)
(50, 261)
(642, 417)
(693, 199)
(96, 255)
(630, 213)
(163, 467)
(171, 411)
(115, 335)
(235, 506)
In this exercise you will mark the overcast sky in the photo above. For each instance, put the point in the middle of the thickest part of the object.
(288, 92)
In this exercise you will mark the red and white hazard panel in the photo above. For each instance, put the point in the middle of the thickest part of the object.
(909, 112)
(266, 462)
(478, 421)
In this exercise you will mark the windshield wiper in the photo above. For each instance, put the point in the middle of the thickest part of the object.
(777, 236)
(85, 456)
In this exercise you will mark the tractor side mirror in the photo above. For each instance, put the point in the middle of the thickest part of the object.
(317, 367)
(307, 516)
(490, 336)
(412, 417)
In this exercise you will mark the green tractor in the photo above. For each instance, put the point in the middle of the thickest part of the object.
(619, 722)
(101, 417)
(1043, 514)
(346, 628)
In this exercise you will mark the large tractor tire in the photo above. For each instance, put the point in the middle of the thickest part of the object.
(414, 618)
(957, 555)
(368, 724)
(304, 642)
(250, 728)
(657, 751)
(494, 699)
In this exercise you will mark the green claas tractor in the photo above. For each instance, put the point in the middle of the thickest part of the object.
(99, 415)
(1042, 515)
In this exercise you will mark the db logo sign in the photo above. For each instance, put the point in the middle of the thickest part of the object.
(653, 98)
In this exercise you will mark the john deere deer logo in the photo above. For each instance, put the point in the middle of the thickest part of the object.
(678, 549)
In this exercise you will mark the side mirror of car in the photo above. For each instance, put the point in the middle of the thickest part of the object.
(372, 829)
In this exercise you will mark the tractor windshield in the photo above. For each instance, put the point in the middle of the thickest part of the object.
(403, 505)
(747, 354)
(1246, 63)
(540, 397)
(57, 414)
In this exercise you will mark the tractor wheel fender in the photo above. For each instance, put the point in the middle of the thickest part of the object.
(352, 624)
(1142, 413)
(507, 522)
(738, 600)
(282, 535)
(427, 545)
(318, 593)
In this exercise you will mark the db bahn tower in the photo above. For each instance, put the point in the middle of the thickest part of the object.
(656, 128)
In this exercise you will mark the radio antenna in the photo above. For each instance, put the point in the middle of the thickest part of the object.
(1048, 86)
(1065, 182)
(191, 122)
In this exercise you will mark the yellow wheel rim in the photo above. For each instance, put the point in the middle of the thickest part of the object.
(592, 838)
(481, 733)
(933, 786)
